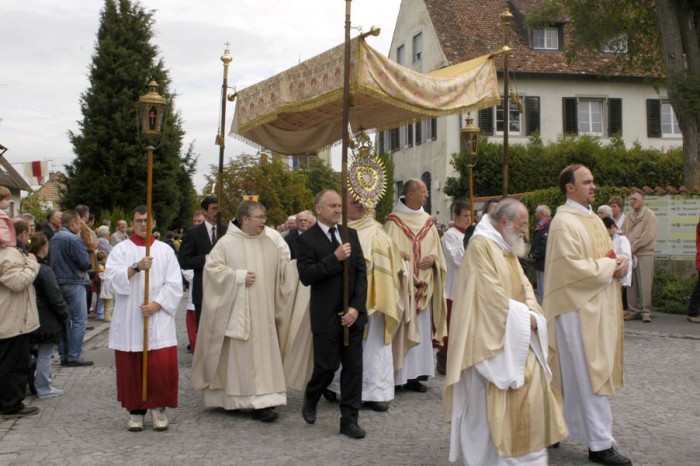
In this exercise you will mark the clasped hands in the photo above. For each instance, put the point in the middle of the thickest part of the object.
(621, 267)
(349, 318)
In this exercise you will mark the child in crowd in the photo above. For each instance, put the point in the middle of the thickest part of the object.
(8, 237)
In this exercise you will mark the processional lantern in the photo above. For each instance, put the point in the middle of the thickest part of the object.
(469, 137)
(152, 109)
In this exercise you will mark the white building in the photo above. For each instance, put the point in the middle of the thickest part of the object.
(554, 98)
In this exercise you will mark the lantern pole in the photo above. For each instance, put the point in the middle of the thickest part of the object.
(506, 18)
(152, 109)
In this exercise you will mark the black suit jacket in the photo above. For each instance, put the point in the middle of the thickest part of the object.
(319, 268)
(195, 245)
(292, 238)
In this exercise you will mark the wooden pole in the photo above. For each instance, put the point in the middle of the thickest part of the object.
(506, 18)
(344, 169)
(149, 227)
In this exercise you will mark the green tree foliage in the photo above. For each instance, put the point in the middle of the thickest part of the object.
(34, 204)
(537, 166)
(320, 176)
(652, 37)
(109, 171)
(282, 191)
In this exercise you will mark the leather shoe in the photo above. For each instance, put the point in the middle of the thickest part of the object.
(378, 406)
(351, 429)
(694, 319)
(24, 411)
(441, 366)
(633, 315)
(415, 386)
(329, 395)
(609, 457)
(308, 411)
(78, 363)
(646, 318)
(265, 415)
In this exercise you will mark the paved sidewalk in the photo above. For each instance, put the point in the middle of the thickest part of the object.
(656, 418)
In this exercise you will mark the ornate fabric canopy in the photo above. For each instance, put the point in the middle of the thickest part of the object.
(300, 110)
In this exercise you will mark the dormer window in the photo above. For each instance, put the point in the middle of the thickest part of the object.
(545, 38)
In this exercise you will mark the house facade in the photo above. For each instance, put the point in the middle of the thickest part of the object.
(548, 96)
(14, 182)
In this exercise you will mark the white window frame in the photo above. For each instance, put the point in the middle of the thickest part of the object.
(401, 55)
(546, 38)
(669, 122)
(617, 44)
(418, 48)
(587, 116)
(514, 111)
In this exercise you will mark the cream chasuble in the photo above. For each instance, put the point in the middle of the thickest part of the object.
(237, 359)
(579, 277)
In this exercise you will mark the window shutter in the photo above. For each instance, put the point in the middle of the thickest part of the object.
(419, 140)
(653, 118)
(381, 142)
(570, 115)
(560, 29)
(532, 115)
(614, 117)
(409, 129)
(433, 129)
(486, 121)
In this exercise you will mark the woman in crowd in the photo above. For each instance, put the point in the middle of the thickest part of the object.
(53, 313)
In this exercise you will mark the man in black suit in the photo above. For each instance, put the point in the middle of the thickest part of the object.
(320, 264)
(304, 221)
(196, 244)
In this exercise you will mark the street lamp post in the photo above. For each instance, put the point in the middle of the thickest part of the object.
(469, 138)
(506, 18)
(152, 112)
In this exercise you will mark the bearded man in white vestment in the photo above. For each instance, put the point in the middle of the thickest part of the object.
(237, 361)
(497, 390)
(124, 272)
(417, 238)
(583, 306)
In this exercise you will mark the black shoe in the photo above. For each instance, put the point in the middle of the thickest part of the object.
(329, 395)
(265, 415)
(441, 366)
(378, 406)
(609, 457)
(351, 429)
(415, 386)
(308, 410)
(24, 411)
(78, 363)
(554, 445)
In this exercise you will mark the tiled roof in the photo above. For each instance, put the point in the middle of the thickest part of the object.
(50, 191)
(10, 178)
(470, 28)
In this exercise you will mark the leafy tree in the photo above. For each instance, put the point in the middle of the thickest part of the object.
(282, 191)
(109, 171)
(658, 37)
(320, 176)
(35, 204)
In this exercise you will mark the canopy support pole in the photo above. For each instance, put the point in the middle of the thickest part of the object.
(344, 169)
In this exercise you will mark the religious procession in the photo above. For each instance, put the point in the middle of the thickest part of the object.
(452, 326)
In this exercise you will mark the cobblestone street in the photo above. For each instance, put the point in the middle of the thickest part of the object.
(656, 418)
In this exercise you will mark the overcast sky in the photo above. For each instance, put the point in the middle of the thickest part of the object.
(47, 46)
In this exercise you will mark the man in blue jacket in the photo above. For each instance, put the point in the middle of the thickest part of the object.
(70, 262)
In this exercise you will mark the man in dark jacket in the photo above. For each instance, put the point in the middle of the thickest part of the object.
(538, 246)
(321, 253)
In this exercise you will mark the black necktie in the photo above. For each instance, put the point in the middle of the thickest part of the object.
(213, 234)
(334, 240)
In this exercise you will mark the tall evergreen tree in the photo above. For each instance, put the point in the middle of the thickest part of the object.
(109, 171)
